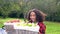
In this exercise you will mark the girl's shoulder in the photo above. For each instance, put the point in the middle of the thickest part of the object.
(41, 24)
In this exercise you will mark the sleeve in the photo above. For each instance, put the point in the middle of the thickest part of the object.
(42, 28)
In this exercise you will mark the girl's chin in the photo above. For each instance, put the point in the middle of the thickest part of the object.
(33, 20)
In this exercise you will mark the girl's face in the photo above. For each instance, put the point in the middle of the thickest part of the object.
(33, 16)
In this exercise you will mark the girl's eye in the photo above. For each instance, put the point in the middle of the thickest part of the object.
(32, 15)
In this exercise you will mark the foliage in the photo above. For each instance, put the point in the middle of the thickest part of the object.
(18, 8)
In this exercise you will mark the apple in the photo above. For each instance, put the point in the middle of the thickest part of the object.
(18, 24)
(13, 21)
(25, 24)
(29, 24)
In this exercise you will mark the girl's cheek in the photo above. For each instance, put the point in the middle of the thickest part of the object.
(33, 18)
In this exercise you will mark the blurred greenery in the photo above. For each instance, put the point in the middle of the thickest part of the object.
(18, 8)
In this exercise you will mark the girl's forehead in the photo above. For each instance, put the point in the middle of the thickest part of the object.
(32, 13)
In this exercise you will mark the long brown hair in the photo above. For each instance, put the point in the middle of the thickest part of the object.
(39, 15)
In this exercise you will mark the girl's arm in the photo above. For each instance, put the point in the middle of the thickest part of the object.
(42, 28)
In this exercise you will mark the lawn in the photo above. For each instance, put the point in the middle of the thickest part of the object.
(51, 27)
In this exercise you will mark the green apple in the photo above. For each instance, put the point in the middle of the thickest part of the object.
(18, 24)
(25, 24)
(30, 24)
(34, 24)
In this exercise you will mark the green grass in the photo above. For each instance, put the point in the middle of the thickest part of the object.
(51, 27)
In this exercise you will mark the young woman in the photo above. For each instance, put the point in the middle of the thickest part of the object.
(37, 16)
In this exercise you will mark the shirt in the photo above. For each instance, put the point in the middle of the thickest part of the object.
(42, 28)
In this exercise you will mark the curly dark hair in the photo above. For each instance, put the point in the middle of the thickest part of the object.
(39, 15)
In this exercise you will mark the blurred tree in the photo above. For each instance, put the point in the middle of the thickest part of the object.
(18, 8)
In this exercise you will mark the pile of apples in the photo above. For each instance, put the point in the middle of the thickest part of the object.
(27, 24)
(21, 23)
(31, 24)
(13, 21)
